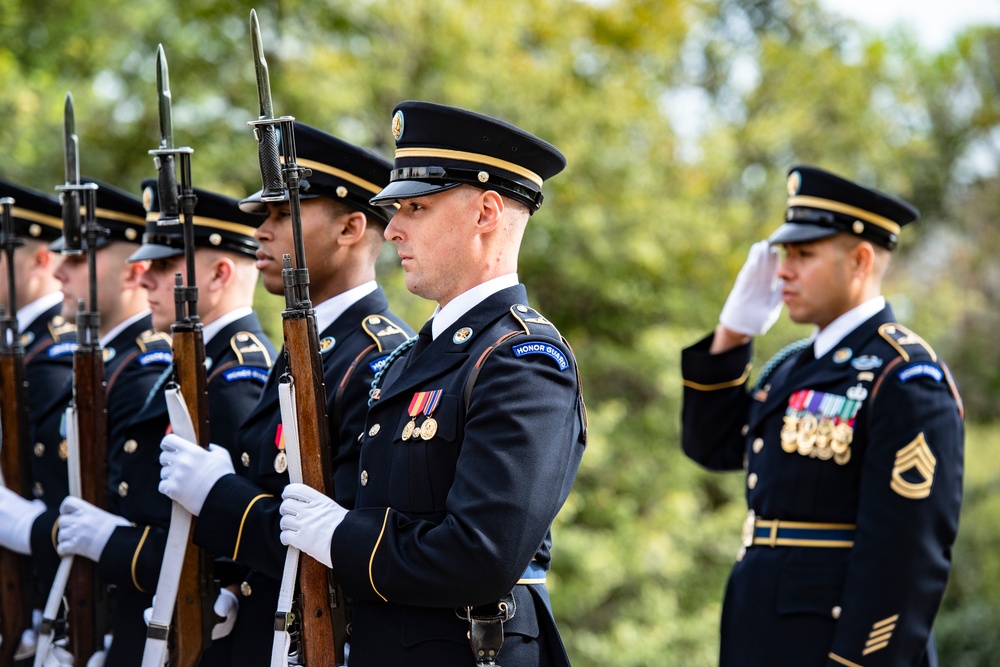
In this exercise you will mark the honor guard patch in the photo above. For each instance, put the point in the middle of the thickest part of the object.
(61, 349)
(378, 364)
(161, 357)
(245, 373)
(542, 348)
(866, 362)
(913, 471)
(921, 371)
(326, 344)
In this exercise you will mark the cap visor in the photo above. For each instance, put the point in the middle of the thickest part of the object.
(153, 251)
(59, 244)
(793, 232)
(255, 205)
(408, 189)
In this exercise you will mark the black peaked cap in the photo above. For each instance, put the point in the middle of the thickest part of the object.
(34, 214)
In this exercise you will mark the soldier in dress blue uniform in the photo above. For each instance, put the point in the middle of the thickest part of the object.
(48, 340)
(238, 513)
(475, 431)
(851, 442)
(135, 355)
(238, 356)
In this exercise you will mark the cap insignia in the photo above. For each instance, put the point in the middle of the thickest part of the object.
(131, 234)
(794, 183)
(341, 191)
(215, 239)
(397, 125)
(858, 227)
(483, 176)
(147, 198)
(35, 229)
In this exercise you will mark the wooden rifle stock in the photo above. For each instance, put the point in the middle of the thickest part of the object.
(323, 610)
(14, 616)
(91, 404)
(191, 624)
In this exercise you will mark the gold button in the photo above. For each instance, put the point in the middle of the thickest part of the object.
(39, 449)
(758, 444)
(745, 429)
(131, 446)
(245, 459)
(835, 612)
(63, 450)
(374, 320)
(39, 490)
(364, 478)
(522, 309)
(123, 489)
(373, 431)
(245, 589)
(752, 480)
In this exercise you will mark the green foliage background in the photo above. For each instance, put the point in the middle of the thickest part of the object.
(679, 119)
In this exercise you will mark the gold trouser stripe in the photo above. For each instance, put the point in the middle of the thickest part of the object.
(213, 223)
(788, 542)
(478, 158)
(135, 559)
(239, 535)
(34, 216)
(339, 173)
(846, 209)
(842, 661)
(721, 385)
(371, 560)
(767, 523)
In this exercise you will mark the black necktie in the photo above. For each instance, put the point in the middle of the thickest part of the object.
(423, 339)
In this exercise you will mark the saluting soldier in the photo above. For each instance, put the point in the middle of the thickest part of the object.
(238, 514)
(851, 442)
(474, 434)
(48, 340)
(134, 354)
(238, 355)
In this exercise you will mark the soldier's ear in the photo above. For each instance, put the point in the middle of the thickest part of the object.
(491, 206)
(353, 226)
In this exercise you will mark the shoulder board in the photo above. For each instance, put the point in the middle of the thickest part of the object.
(250, 351)
(386, 334)
(904, 341)
(151, 339)
(60, 328)
(533, 323)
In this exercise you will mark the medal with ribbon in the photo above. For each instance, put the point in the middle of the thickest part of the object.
(281, 460)
(422, 402)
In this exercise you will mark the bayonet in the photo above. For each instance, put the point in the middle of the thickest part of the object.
(166, 173)
(69, 193)
(266, 132)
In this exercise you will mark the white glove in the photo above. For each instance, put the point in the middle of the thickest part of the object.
(189, 472)
(308, 519)
(97, 660)
(58, 657)
(226, 606)
(16, 517)
(754, 304)
(84, 529)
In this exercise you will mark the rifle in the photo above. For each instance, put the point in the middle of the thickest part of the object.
(14, 474)
(323, 612)
(185, 584)
(89, 399)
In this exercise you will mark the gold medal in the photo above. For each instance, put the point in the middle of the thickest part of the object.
(788, 433)
(280, 463)
(429, 428)
(806, 439)
(824, 436)
(408, 429)
(844, 458)
(843, 434)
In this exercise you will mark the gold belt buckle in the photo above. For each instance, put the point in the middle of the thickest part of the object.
(749, 526)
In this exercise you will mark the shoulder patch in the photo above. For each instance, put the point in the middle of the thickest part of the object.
(155, 357)
(60, 328)
(245, 373)
(901, 338)
(61, 349)
(532, 321)
(541, 347)
(250, 351)
(151, 339)
(386, 334)
(920, 370)
(378, 364)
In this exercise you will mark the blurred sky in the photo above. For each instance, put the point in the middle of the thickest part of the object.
(935, 22)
